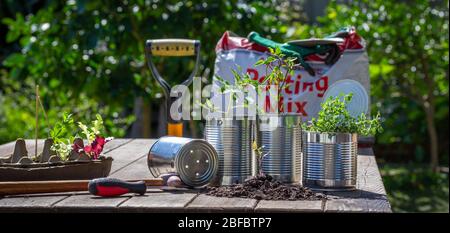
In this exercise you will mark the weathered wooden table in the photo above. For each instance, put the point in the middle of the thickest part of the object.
(130, 163)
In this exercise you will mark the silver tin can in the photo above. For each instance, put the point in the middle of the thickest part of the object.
(232, 139)
(194, 160)
(330, 160)
(280, 138)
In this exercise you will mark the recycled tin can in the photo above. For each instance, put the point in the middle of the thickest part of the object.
(194, 160)
(330, 160)
(232, 139)
(280, 138)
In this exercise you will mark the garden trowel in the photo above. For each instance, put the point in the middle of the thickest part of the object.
(172, 48)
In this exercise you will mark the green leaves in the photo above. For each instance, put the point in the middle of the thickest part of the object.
(14, 59)
(97, 125)
(15, 29)
(278, 68)
(407, 46)
(260, 62)
(259, 155)
(64, 132)
(242, 84)
(96, 128)
(62, 136)
(85, 131)
(335, 118)
(83, 37)
(63, 148)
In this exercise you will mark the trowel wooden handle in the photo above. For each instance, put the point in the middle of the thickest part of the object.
(172, 47)
(31, 187)
(175, 129)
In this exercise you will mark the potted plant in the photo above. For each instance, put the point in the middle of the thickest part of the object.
(69, 147)
(330, 144)
(229, 132)
(64, 155)
(278, 134)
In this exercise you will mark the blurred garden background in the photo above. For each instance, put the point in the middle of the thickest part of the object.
(88, 58)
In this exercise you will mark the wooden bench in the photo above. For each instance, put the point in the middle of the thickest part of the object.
(130, 162)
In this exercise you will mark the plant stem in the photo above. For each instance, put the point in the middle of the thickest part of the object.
(45, 115)
(37, 121)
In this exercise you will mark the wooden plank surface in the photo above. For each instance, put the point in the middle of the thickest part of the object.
(343, 194)
(365, 151)
(346, 205)
(369, 181)
(84, 203)
(205, 203)
(32, 203)
(124, 152)
(134, 171)
(39, 203)
(367, 167)
(289, 206)
(378, 206)
(115, 143)
(138, 169)
(130, 162)
(357, 205)
(129, 153)
(158, 202)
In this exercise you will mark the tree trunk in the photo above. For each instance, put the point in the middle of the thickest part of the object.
(429, 106)
(141, 127)
(136, 128)
(147, 112)
(432, 133)
(162, 119)
(193, 129)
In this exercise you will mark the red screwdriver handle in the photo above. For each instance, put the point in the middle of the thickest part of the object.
(110, 187)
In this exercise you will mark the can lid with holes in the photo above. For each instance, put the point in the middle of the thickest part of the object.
(194, 160)
(197, 163)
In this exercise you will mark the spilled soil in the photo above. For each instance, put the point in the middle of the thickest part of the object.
(264, 187)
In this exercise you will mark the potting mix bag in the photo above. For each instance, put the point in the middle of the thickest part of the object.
(304, 93)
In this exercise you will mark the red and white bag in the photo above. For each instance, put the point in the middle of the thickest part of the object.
(304, 92)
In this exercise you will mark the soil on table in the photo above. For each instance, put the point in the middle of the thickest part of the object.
(264, 187)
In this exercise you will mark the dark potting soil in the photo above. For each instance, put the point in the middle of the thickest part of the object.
(264, 187)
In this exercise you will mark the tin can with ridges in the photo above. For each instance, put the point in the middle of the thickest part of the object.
(194, 160)
(280, 138)
(232, 139)
(330, 160)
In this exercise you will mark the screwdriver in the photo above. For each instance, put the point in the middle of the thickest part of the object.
(111, 187)
(106, 187)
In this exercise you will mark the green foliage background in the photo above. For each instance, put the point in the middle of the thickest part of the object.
(88, 58)
(408, 48)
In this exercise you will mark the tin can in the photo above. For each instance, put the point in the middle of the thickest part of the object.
(330, 160)
(280, 140)
(232, 139)
(194, 160)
